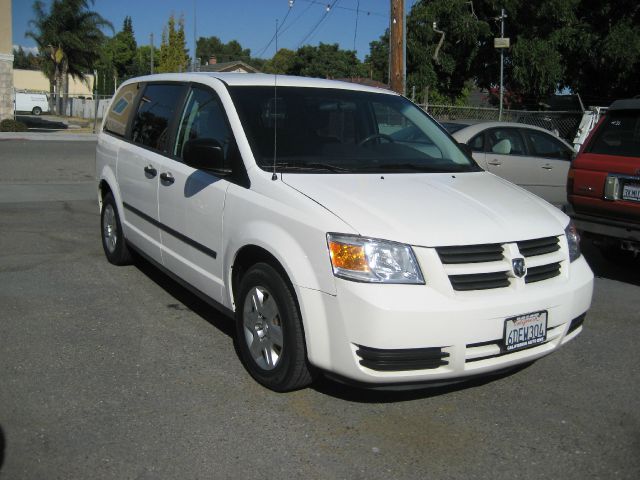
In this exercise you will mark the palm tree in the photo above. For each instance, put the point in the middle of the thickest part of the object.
(70, 34)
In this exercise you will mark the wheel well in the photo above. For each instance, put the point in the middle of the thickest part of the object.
(248, 256)
(103, 189)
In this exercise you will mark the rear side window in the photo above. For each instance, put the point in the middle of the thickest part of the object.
(546, 146)
(155, 112)
(619, 134)
(121, 110)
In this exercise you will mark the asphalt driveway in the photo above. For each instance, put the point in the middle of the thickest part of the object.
(110, 372)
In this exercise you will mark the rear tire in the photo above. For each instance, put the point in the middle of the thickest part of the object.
(269, 333)
(36, 110)
(113, 241)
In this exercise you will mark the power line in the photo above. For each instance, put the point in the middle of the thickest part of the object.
(293, 22)
(291, 4)
(367, 12)
(329, 9)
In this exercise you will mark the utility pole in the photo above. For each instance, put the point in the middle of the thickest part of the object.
(152, 53)
(397, 47)
(502, 17)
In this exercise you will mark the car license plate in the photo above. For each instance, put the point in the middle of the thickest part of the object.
(631, 191)
(525, 331)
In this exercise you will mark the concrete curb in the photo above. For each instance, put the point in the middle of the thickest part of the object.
(39, 136)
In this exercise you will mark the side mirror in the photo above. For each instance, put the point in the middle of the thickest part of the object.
(466, 149)
(205, 154)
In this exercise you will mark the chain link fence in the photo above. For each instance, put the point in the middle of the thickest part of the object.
(563, 123)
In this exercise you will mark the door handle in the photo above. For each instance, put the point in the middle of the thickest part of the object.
(166, 178)
(150, 172)
(547, 167)
(495, 163)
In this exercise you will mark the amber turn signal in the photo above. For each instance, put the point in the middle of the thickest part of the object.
(349, 257)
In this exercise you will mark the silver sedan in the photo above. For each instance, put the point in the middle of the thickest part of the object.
(528, 156)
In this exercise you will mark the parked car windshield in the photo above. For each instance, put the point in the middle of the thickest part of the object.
(343, 131)
(619, 134)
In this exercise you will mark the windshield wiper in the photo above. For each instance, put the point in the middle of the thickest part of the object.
(403, 166)
(310, 166)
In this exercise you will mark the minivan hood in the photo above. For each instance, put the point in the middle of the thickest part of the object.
(432, 209)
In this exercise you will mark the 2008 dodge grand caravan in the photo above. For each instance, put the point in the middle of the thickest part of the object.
(339, 225)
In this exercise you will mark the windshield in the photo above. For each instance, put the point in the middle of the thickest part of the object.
(343, 131)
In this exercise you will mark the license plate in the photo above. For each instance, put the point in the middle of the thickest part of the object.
(525, 331)
(631, 192)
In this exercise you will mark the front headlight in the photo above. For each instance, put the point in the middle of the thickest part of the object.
(573, 239)
(372, 260)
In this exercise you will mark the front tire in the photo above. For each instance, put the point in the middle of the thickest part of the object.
(269, 332)
(36, 110)
(113, 242)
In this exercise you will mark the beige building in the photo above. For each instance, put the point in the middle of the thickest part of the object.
(6, 61)
(36, 81)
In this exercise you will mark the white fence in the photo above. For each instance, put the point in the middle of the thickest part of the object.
(86, 108)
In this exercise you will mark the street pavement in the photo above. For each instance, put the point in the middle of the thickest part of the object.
(119, 373)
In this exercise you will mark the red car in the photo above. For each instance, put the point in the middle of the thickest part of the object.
(603, 187)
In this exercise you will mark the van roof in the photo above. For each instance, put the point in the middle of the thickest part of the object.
(260, 79)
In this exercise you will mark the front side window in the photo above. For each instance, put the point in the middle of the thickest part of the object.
(333, 130)
(151, 123)
(544, 145)
(203, 118)
(505, 141)
(477, 143)
(619, 134)
(121, 110)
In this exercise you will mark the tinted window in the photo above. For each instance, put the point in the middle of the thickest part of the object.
(505, 141)
(619, 134)
(152, 120)
(544, 145)
(203, 117)
(121, 109)
(322, 129)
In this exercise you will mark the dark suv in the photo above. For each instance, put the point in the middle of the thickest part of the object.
(603, 185)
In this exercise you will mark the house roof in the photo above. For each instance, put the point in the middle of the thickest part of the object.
(229, 67)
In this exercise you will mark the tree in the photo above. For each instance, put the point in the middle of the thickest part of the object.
(207, 47)
(124, 49)
(326, 61)
(603, 50)
(143, 59)
(282, 62)
(378, 59)
(24, 60)
(173, 52)
(442, 65)
(71, 35)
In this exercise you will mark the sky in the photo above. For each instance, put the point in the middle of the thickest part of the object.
(250, 22)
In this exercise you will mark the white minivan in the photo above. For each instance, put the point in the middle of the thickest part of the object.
(35, 103)
(339, 243)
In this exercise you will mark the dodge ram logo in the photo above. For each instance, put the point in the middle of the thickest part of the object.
(519, 267)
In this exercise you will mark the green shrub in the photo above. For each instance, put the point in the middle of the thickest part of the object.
(9, 125)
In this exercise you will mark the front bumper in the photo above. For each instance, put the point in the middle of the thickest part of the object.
(454, 334)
